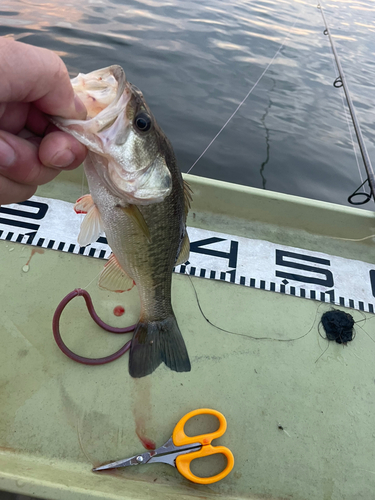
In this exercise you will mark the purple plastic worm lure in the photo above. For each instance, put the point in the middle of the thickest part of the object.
(78, 292)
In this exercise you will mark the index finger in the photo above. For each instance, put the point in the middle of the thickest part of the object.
(34, 74)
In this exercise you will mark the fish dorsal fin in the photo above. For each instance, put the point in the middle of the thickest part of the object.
(83, 204)
(91, 227)
(184, 252)
(114, 278)
(188, 197)
(134, 213)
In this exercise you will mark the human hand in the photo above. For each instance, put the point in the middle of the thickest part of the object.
(34, 81)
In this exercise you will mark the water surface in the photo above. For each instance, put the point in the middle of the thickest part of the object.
(196, 61)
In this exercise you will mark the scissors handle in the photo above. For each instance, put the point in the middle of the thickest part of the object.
(180, 438)
(183, 463)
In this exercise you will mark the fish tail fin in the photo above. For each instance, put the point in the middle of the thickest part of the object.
(155, 342)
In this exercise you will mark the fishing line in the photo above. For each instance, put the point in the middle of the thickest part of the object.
(94, 278)
(341, 82)
(361, 327)
(348, 122)
(354, 239)
(352, 139)
(82, 215)
(79, 435)
(251, 337)
(325, 350)
(247, 95)
(83, 182)
(354, 333)
(244, 334)
(337, 328)
(365, 332)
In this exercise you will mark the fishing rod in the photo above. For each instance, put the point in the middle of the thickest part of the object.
(341, 82)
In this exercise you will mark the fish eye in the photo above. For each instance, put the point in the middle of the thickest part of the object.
(143, 122)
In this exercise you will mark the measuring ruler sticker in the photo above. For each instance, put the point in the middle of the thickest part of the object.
(268, 266)
(260, 264)
(47, 223)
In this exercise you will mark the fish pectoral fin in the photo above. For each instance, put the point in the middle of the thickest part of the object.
(114, 278)
(91, 227)
(183, 256)
(83, 204)
(134, 213)
(188, 197)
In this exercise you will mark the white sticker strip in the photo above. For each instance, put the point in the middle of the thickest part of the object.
(53, 224)
(47, 223)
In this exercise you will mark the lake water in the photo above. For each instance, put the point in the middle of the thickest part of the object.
(195, 61)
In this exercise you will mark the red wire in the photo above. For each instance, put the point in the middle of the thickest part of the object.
(78, 292)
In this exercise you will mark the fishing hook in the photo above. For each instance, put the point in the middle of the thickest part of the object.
(78, 292)
(357, 192)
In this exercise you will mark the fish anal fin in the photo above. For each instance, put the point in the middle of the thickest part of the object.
(183, 256)
(114, 278)
(83, 204)
(188, 197)
(134, 213)
(91, 227)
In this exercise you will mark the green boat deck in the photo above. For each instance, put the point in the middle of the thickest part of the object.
(300, 413)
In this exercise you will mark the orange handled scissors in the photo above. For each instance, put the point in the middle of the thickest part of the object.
(180, 450)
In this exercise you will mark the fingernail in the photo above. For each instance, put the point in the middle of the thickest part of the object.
(62, 159)
(7, 154)
(80, 107)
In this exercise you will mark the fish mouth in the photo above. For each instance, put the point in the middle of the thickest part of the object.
(105, 93)
(100, 89)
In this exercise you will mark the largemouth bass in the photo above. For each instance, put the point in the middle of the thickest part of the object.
(139, 199)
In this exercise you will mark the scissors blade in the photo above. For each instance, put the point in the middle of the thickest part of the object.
(170, 457)
(143, 458)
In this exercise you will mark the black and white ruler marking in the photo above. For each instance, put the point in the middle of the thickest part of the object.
(53, 224)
